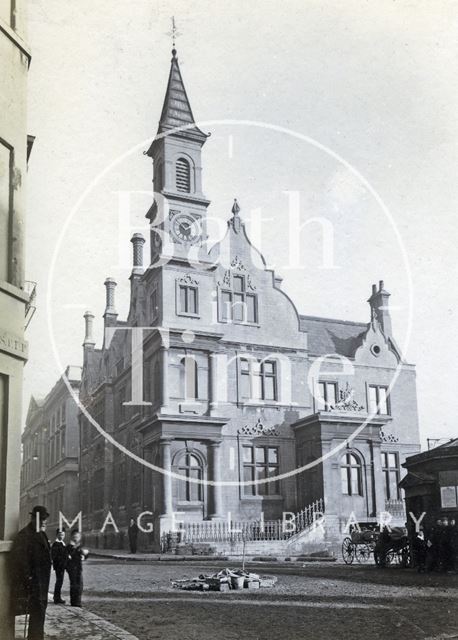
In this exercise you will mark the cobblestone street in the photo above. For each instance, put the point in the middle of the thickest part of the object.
(315, 601)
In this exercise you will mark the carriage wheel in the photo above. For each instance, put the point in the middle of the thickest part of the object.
(363, 553)
(348, 551)
(392, 558)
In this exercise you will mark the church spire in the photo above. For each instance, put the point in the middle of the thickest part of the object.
(176, 152)
(176, 110)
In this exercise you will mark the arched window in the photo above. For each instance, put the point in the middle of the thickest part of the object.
(189, 378)
(183, 175)
(351, 475)
(190, 469)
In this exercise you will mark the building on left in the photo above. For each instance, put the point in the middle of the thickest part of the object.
(50, 450)
(15, 296)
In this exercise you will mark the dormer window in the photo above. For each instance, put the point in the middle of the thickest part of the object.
(183, 175)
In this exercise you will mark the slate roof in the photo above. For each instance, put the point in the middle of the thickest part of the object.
(176, 111)
(333, 336)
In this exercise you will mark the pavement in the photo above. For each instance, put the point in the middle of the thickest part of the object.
(117, 554)
(72, 623)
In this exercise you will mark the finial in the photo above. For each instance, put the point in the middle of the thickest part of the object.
(174, 33)
(235, 207)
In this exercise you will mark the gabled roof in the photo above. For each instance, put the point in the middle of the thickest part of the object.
(35, 404)
(333, 336)
(416, 478)
(176, 111)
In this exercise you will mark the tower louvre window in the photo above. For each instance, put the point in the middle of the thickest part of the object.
(183, 175)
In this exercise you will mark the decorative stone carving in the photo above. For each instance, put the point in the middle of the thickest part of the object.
(346, 401)
(235, 221)
(188, 280)
(226, 281)
(249, 284)
(236, 265)
(388, 437)
(259, 429)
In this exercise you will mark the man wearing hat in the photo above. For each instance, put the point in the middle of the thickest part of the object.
(31, 572)
(59, 555)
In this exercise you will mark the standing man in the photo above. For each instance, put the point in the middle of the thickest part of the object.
(31, 572)
(444, 552)
(76, 555)
(133, 535)
(434, 546)
(59, 555)
(454, 544)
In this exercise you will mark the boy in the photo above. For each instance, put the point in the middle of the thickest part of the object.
(59, 555)
(76, 555)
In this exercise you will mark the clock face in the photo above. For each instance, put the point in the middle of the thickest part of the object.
(185, 228)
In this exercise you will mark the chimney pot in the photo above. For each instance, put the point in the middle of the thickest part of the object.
(137, 242)
(380, 285)
(88, 338)
(110, 284)
(374, 289)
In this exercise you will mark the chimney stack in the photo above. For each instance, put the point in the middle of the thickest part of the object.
(89, 338)
(137, 242)
(110, 314)
(380, 312)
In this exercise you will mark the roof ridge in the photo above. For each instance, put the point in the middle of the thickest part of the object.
(323, 319)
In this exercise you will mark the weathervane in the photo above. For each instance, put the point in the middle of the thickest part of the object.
(174, 34)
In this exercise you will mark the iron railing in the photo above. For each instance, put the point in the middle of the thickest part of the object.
(396, 508)
(244, 531)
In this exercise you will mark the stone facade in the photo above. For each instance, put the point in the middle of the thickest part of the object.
(14, 300)
(50, 445)
(232, 386)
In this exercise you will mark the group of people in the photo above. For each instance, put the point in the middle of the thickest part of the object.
(437, 549)
(32, 558)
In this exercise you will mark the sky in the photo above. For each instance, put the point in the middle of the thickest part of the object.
(346, 108)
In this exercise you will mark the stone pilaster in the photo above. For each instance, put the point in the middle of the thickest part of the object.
(216, 494)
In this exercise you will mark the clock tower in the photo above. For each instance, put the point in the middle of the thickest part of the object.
(178, 214)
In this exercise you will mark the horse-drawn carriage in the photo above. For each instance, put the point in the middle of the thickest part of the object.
(387, 547)
(392, 547)
(360, 544)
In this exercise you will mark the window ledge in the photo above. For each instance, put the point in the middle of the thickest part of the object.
(196, 408)
(188, 506)
(240, 323)
(268, 404)
(275, 497)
